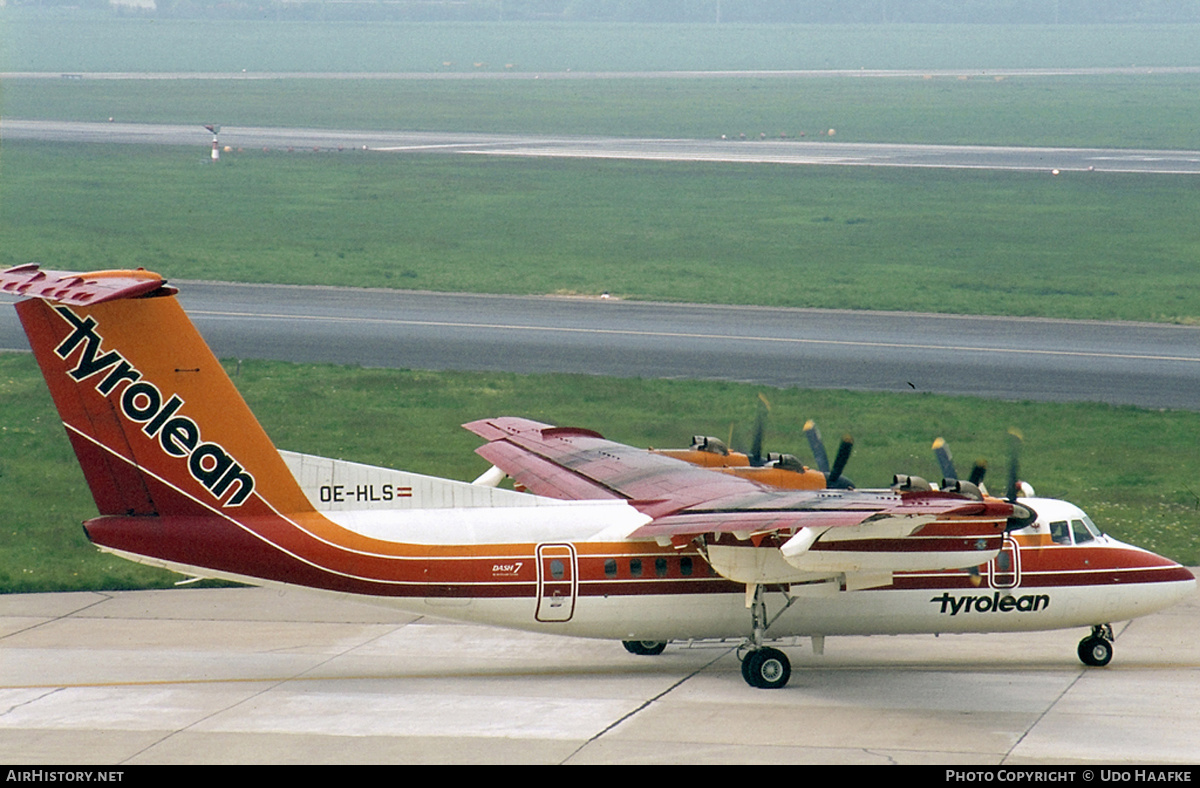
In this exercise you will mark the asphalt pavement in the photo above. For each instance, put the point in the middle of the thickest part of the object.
(1148, 365)
(755, 150)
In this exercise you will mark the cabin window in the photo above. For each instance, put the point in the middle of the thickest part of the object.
(635, 567)
(685, 566)
(1060, 532)
(660, 567)
(610, 567)
(557, 570)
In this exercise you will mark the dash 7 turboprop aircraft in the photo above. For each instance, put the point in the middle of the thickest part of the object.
(610, 541)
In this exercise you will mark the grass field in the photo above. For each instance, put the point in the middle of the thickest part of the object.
(1085, 246)
(1133, 471)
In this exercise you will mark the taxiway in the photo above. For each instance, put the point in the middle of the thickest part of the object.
(748, 151)
(1148, 365)
(240, 676)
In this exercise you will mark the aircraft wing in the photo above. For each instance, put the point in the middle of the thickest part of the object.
(570, 463)
(687, 502)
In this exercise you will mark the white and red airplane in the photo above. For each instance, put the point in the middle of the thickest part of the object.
(610, 541)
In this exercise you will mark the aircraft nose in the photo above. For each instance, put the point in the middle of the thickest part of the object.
(1175, 573)
(1169, 571)
(1176, 577)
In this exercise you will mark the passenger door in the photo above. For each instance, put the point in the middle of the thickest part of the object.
(557, 582)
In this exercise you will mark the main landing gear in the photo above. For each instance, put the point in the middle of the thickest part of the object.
(766, 668)
(763, 667)
(644, 648)
(1096, 649)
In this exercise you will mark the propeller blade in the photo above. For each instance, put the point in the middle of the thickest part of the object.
(760, 429)
(942, 451)
(835, 478)
(1014, 450)
(818, 447)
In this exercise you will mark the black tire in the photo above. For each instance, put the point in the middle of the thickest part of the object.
(766, 668)
(1095, 652)
(644, 648)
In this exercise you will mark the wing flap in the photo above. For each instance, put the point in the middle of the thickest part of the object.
(749, 525)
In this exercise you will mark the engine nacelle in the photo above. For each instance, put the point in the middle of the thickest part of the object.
(961, 487)
(902, 483)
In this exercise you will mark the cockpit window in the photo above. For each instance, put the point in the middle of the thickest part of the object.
(1093, 531)
(1060, 532)
(1080, 532)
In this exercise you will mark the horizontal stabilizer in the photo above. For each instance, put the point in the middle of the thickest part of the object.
(78, 289)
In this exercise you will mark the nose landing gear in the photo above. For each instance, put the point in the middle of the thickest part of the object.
(1096, 649)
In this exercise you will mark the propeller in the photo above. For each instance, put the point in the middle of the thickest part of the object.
(818, 447)
(833, 473)
(760, 428)
(950, 479)
(1023, 515)
(1015, 439)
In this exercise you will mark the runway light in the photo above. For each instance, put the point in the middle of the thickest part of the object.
(1054, 172)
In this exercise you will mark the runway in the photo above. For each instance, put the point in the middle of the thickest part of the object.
(1148, 365)
(750, 151)
(242, 676)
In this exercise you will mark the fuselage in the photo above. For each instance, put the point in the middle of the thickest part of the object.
(565, 568)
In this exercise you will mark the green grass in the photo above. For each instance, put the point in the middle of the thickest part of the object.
(1085, 245)
(1134, 471)
(1143, 111)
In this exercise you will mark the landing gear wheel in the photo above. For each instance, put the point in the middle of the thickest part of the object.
(1095, 651)
(644, 648)
(766, 668)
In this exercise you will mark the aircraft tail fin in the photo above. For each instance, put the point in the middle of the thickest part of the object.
(156, 423)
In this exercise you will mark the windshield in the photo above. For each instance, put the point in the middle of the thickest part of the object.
(1085, 530)
(1077, 531)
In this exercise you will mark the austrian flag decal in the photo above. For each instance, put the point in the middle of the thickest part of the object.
(160, 417)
